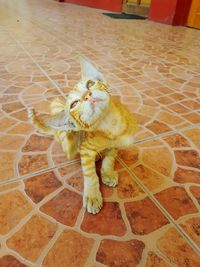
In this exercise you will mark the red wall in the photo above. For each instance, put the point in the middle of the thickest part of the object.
(182, 12)
(172, 12)
(112, 5)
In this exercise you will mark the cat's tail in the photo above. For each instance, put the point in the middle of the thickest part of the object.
(38, 124)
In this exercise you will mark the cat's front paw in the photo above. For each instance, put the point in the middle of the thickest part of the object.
(92, 200)
(109, 178)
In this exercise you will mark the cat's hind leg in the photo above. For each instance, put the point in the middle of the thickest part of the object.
(108, 174)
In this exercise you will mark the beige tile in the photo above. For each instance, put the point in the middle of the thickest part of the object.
(31, 239)
(13, 208)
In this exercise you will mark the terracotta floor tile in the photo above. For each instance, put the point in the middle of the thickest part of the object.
(148, 177)
(14, 90)
(151, 111)
(58, 159)
(13, 208)
(169, 118)
(187, 176)
(127, 187)
(158, 127)
(154, 260)
(165, 90)
(180, 203)
(5, 123)
(106, 191)
(141, 119)
(153, 93)
(31, 239)
(196, 192)
(70, 168)
(193, 105)
(178, 108)
(10, 261)
(194, 136)
(64, 208)
(32, 163)
(34, 89)
(8, 98)
(40, 186)
(42, 106)
(9, 186)
(192, 117)
(188, 158)
(156, 81)
(123, 253)
(144, 217)
(129, 155)
(71, 249)
(177, 140)
(108, 222)
(158, 159)
(177, 96)
(172, 245)
(21, 128)
(164, 100)
(191, 227)
(57, 148)
(20, 115)
(8, 142)
(7, 170)
(10, 107)
(37, 143)
(75, 180)
(150, 102)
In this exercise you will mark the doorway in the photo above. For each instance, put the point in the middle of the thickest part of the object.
(194, 15)
(137, 7)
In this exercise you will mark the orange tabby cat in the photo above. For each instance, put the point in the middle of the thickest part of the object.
(90, 121)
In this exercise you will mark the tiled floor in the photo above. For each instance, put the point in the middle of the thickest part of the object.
(152, 218)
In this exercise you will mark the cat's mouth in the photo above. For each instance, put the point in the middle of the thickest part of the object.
(94, 101)
(93, 108)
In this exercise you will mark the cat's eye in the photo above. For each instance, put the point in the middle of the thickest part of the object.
(89, 84)
(74, 104)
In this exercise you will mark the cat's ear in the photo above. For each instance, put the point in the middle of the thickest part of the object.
(89, 72)
(61, 121)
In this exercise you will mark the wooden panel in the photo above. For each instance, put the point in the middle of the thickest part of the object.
(140, 2)
(146, 2)
(132, 1)
(136, 7)
(194, 15)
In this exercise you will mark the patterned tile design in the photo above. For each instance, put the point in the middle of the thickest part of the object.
(153, 217)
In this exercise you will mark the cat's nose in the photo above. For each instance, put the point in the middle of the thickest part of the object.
(87, 95)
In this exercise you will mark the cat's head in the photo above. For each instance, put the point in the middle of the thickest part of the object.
(89, 100)
(86, 104)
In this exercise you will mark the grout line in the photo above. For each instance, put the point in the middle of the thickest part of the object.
(37, 23)
(138, 142)
(33, 174)
(61, 92)
(167, 134)
(161, 208)
(37, 65)
(23, 177)
(48, 247)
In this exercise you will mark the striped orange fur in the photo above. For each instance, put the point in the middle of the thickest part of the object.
(90, 121)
